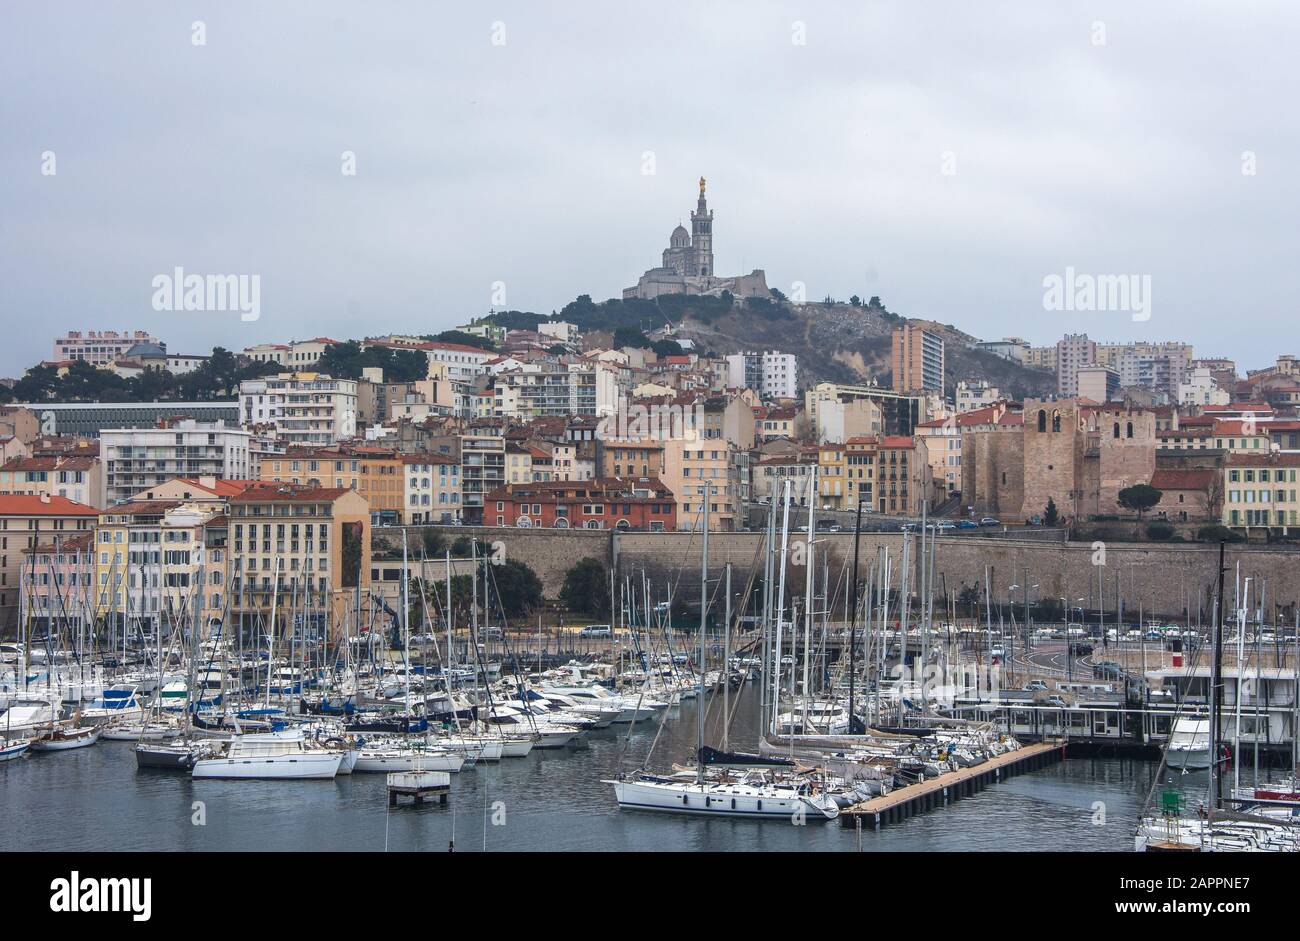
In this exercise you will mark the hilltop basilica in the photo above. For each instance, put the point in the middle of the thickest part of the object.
(688, 264)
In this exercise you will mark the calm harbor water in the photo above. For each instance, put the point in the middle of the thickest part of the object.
(94, 799)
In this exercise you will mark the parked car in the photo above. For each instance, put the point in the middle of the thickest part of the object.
(944, 526)
(1035, 685)
(967, 524)
(990, 521)
(596, 630)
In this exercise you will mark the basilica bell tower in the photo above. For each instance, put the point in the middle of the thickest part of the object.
(702, 237)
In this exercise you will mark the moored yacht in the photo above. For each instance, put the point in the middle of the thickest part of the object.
(283, 755)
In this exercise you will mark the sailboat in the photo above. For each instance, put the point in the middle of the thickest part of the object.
(1214, 829)
(755, 792)
(286, 755)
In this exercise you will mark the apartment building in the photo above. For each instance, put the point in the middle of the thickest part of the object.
(98, 347)
(304, 408)
(137, 458)
(860, 471)
(560, 390)
(773, 375)
(304, 549)
(832, 477)
(1260, 490)
(1072, 351)
(128, 563)
(641, 504)
(27, 521)
(193, 563)
(972, 394)
(482, 470)
(771, 474)
(1097, 382)
(899, 412)
(902, 474)
(696, 470)
(432, 489)
(57, 578)
(916, 357)
(79, 478)
(295, 355)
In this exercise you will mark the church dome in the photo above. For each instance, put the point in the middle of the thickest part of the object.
(680, 238)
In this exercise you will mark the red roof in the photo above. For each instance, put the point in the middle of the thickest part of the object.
(22, 504)
(896, 441)
(1182, 478)
(1263, 460)
(77, 462)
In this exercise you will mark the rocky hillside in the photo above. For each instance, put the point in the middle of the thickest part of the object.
(851, 344)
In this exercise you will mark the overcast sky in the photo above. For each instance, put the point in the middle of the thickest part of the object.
(507, 143)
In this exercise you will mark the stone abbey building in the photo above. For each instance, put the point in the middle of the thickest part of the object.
(688, 264)
(1075, 452)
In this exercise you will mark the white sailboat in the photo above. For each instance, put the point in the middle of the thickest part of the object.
(754, 793)
(286, 755)
(67, 738)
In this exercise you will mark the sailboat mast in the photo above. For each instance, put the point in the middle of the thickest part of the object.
(853, 604)
(704, 613)
(1216, 691)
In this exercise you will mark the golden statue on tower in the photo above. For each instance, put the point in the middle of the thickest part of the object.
(701, 187)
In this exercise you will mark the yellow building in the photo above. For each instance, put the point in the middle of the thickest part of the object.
(832, 481)
(308, 545)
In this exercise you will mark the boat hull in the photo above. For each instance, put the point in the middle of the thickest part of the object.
(301, 767)
(720, 802)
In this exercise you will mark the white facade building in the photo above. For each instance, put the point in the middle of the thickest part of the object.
(972, 395)
(304, 408)
(771, 374)
(98, 347)
(136, 459)
(1199, 388)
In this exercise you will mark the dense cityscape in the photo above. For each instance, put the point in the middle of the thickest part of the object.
(659, 431)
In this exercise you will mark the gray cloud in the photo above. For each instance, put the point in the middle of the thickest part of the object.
(522, 163)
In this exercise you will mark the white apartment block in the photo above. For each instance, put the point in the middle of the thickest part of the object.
(180, 363)
(572, 389)
(136, 459)
(98, 347)
(969, 396)
(558, 330)
(771, 374)
(297, 354)
(1013, 349)
(304, 408)
(1073, 351)
(464, 363)
(1199, 388)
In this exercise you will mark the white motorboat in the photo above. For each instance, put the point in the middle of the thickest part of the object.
(1188, 748)
(30, 713)
(284, 755)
